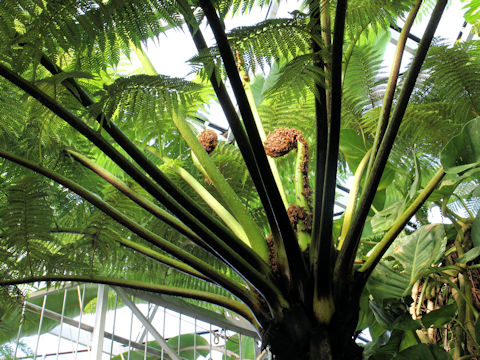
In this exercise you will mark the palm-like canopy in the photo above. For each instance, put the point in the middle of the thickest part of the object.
(104, 180)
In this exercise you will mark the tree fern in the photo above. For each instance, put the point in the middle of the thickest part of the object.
(26, 220)
(269, 41)
(243, 6)
(279, 283)
(453, 70)
(96, 30)
(149, 97)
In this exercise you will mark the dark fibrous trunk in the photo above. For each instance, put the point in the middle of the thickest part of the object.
(299, 337)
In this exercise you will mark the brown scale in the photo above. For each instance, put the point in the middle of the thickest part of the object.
(272, 255)
(308, 222)
(295, 214)
(209, 140)
(280, 142)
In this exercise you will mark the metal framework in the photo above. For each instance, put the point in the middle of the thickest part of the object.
(129, 324)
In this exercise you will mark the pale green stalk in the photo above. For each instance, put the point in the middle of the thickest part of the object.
(263, 137)
(199, 166)
(303, 237)
(388, 98)
(232, 200)
(144, 60)
(422, 296)
(398, 226)
(179, 265)
(140, 200)
(252, 230)
(223, 213)
(226, 302)
(299, 188)
(352, 199)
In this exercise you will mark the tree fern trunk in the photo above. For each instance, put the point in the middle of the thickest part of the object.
(319, 345)
(299, 337)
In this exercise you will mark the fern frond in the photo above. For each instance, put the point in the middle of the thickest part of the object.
(26, 219)
(374, 13)
(451, 74)
(96, 30)
(297, 77)
(363, 79)
(146, 97)
(269, 41)
(239, 6)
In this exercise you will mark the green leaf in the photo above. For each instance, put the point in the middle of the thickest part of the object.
(187, 343)
(476, 231)
(384, 219)
(354, 146)
(463, 151)
(366, 317)
(418, 251)
(139, 354)
(424, 352)
(385, 283)
(450, 184)
(473, 13)
(383, 317)
(386, 346)
(470, 255)
(405, 261)
(439, 317)
(409, 339)
(248, 347)
(406, 323)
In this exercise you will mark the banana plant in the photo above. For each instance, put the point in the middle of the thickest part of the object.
(126, 193)
(436, 266)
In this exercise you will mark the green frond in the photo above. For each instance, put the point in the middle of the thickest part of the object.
(11, 115)
(363, 79)
(261, 45)
(269, 41)
(239, 6)
(98, 31)
(289, 112)
(25, 220)
(451, 74)
(297, 77)
(147, 99)
(374, 13)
